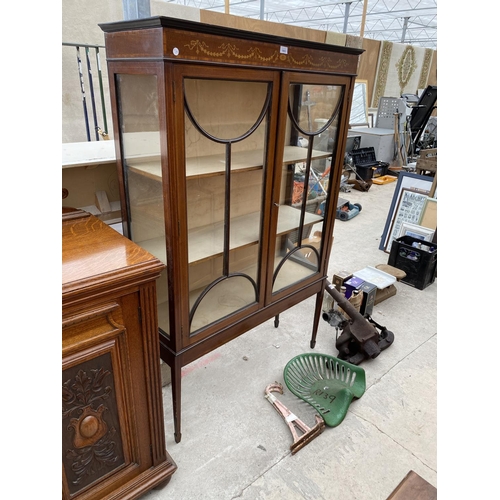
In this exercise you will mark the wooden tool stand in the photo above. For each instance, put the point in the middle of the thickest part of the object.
(113, 438)
(216, 129)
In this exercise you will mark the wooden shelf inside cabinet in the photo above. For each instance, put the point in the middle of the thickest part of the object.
(204, 166)
(293, 154)
(206, 242)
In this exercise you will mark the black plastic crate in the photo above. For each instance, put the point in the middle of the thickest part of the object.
(420, 265)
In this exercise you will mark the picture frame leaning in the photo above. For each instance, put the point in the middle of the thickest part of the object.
(407, 182)
(416, 231)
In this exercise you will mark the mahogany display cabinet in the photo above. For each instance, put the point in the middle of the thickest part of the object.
(229, 146)
(113, 436)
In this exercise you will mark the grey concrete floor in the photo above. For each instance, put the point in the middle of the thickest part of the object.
(235, 445)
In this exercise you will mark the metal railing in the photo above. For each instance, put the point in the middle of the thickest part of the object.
(100, 129)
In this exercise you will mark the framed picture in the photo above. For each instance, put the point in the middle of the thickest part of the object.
(429, 214)
(416, 231)
(409, 210)
(407, 181)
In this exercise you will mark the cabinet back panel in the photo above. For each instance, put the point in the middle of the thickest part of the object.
(226, 110)
(205, 197)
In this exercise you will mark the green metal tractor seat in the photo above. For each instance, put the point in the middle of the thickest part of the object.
(325, 382)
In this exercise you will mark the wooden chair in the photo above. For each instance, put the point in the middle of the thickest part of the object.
(427, 162)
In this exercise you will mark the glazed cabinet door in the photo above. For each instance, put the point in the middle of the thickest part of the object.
(313, 114)
(227, 123)
(140, 96)
(227, 176)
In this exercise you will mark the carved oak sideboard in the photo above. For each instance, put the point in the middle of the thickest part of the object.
(113, 439)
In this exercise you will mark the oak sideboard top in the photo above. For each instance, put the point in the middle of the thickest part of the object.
(94, 254)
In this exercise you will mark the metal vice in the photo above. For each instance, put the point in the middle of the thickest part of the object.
(360, 338)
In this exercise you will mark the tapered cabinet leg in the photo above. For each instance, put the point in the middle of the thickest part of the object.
(317, 315)
(176, 399)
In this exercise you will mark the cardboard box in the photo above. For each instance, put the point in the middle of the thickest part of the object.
(352, 284)
(340, 278)
(356, 300)
(384, 294)
(369, 292)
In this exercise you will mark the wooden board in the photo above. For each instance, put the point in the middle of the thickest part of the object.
(413, 487)
(367, 69)
(258, 26)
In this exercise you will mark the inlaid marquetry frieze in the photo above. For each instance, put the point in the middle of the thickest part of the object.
(230, 50)
(320, 62)
(183, 46)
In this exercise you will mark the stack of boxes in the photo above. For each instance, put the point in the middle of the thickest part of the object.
(367, 290)
(370, 294)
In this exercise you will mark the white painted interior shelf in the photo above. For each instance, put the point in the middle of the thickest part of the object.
(202, 166)
(206, 242)
(144, 156)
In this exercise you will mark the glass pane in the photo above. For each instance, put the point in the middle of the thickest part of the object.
(241, 103)
(313, 117)
(226, 297)
(225, 137)
(139, 129)
(312, 106)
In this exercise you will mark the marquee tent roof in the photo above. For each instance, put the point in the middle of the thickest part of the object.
(412, 22)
